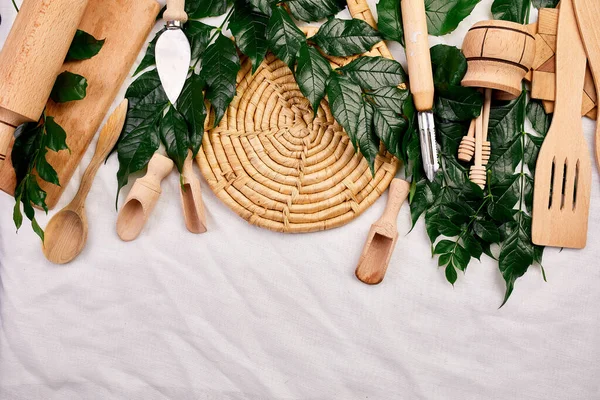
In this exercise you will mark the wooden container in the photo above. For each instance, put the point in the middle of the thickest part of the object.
(31, 59)
(499, 54)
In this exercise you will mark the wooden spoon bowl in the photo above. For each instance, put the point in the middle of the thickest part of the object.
(65, 235)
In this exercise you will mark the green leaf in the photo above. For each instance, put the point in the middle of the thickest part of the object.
(28, 140)
(56, 137)
(135, 150)
(457, 103)
(35, 193)
(511, 10)
(249, 27)
(314, 10)
(149, 59)
(389, 127)
(205, 8)
(45, 170)
(174, 135)
(368, 142)
(443, 16)
(451, 274)
(537, 116)
(345, 100)
(487, 230)
(69, 87)
(84, 46)
(312, 73)
(545, 3)
(17, 214)
(220, 66)
(390, 97)
(390, 20)
(284, 36)
(346, 37)
(263, 5)
(198, 35)
(473, 246)
(375, 72)
(444, 247)
(191, 106)
(449, 65)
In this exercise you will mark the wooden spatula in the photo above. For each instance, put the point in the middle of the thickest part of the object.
(563, 174)
(588, 18)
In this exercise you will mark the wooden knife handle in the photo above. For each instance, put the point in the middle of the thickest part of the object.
(176, 11)
(417, 53)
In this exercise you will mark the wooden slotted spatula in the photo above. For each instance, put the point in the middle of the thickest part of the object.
(587, 13)
(563, 174)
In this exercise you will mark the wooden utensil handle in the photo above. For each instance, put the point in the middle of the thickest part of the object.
(398, 193)
(6, 134)
(417, 53)
(570, 65)
(158, 168)
(176, 11)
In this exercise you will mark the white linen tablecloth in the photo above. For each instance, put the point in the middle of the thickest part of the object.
(244, 313)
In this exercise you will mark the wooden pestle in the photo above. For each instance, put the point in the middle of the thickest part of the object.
(31, 59)
(142, 198)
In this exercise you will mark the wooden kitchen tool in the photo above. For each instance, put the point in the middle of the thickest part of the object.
(563, 174)
(66, 233)
(191, 199)
(125, 25)
(588, 18)
(383, 236)
(543, 82)
(478, 172)
(30, 61)
(142, 198)
(499, 55)
(466, 149)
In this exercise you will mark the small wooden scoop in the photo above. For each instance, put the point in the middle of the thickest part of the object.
(191, 199)
(382, 239)
(142, 198)
(563, 176)
(66, 233)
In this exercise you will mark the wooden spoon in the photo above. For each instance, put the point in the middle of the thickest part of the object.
(66, 233)
(383, 236)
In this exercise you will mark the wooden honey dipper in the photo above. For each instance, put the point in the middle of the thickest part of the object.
(499, 54)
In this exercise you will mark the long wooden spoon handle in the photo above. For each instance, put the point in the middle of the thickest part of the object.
(106, 141)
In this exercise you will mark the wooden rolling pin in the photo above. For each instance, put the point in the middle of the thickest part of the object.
(31, 59)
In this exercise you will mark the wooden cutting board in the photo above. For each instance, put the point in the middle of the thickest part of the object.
(125, 24)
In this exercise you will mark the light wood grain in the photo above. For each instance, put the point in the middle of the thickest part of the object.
(175, 11)
(588, 18)
(382, 238)
(191, 199)
(142, 198)
(417, 53)
(563, 174)
(66, 233)
(30, 60)
(125, 25)
(499, 55)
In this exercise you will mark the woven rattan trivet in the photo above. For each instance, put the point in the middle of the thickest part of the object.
(280, 168)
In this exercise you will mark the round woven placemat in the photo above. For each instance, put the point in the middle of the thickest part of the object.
(280, 167)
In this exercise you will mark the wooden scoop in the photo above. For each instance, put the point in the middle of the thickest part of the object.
(66, 233)
(382, 238)
(142, 198)
(563, 174)
(191, 199)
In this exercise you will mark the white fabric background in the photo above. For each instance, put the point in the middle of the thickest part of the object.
(243, 313)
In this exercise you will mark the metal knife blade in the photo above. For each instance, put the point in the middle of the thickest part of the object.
(173, 57)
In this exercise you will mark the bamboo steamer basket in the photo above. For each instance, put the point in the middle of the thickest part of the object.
(499, 55)
(280, 167)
